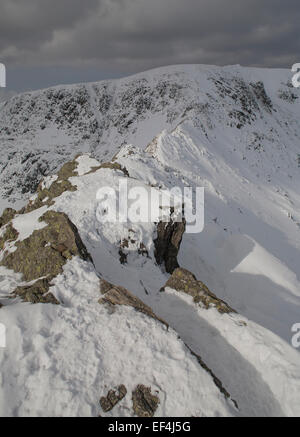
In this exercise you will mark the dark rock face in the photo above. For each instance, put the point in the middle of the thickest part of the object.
(114, 295)
(167, 244)
(144, 402)
(113, 397)
(43, 255)
(184, 281)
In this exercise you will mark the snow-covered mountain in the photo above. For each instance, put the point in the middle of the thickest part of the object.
(163, 337)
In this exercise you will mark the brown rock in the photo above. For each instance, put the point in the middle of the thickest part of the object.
(185, 281)
(10, 234)
(45, 196)
(113, 397)
(43, 255)
(36, 293)
(144, 402)
(114, 295)
(7, 215)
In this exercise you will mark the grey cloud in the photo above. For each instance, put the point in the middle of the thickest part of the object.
(129, 35)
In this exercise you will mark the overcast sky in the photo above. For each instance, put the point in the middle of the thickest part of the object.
(46, 42)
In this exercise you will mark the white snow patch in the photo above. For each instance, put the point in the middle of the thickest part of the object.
(85, 164)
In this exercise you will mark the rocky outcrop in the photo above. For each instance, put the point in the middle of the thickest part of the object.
(36, 293)
(42, 255)
(167, 243)
(113, 398)
(184, 281)
(45, 194)
(7, 215)
(114, 295)
(115, 166)
(9, 234)
(144, 402)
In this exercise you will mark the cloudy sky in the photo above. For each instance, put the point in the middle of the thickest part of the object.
(46, 42)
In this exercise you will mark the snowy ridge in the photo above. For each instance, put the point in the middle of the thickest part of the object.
(234, 131)
(41, 130)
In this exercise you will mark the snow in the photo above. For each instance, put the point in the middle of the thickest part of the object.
(258, 368)
(59, 380)
(247, 254)
(26, 224)
(48, 181)
(85, 164)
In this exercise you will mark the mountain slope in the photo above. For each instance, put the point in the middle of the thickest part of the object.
(233, 131)
(41, 130)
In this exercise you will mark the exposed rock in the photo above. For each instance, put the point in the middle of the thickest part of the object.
(105, 286)
(114, 295)
(36, 293)
(124, 244)
(43, 255)
(167, 243)
(45, 195)
(10, 234)
(185, 281)
(113, 397)
(122, 257)
(142, 250)
(127, 246)
(47, 250)
(261, 95)
(7, 215)
(68, 170)
(111, 165)
(144, 402)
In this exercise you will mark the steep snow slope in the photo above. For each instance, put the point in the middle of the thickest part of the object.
(259, 370)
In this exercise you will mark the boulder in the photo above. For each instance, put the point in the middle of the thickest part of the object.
(43, 254)
(144, 402)
(184, 281)
(113, 397)
(36, 293)
(114, 295)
